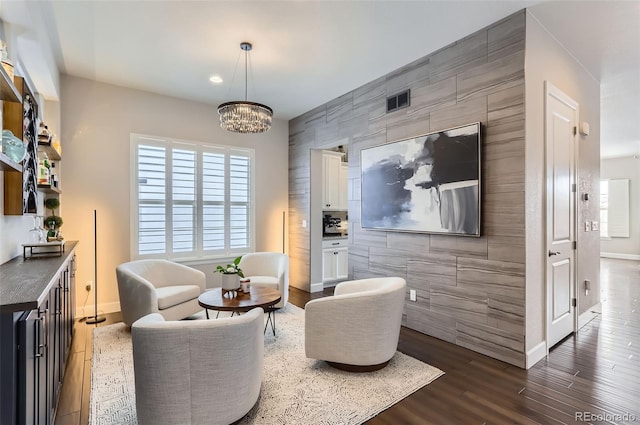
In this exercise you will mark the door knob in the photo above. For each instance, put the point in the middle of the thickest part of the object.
(552, 253)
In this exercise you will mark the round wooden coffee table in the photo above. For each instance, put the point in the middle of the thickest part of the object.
(258, 296)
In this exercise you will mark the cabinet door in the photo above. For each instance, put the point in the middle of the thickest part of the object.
(29, 336)
(342, 260)
(43, 380)
(328, 265)
(55, 342)
(343, 185)
(331, 179)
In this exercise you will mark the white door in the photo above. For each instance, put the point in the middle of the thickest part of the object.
(560, 140)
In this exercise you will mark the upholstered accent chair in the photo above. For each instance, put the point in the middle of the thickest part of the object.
(158, 286)
(197, 372)
(269, 269)
(358, 328)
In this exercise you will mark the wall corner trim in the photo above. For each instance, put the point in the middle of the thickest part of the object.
(620, 256)
(536, 354)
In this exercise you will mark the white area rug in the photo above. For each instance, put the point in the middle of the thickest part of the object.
(295, 390)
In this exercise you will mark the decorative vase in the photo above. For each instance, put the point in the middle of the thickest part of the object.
(230, 281)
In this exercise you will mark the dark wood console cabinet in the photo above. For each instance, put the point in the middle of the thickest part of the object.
(37, 311)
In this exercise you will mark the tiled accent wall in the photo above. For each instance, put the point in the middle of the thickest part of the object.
(471, 291)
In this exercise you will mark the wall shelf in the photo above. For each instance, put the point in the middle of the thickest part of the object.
(8, 165)
(49, 189)
(52, 154)
(8, 90)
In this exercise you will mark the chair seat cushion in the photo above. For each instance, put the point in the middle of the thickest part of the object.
(169, 296)
(269, 281)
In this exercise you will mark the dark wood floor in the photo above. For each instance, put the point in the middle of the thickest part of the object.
(596, 371)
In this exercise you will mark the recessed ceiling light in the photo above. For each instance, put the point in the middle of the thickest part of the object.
(216, 79)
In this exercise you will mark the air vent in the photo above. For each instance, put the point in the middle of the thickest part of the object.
(398, 101)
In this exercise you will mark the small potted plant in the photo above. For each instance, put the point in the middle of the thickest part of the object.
(231, 274)
(53, 222)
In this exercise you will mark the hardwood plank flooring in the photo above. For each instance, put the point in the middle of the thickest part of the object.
(596, 370)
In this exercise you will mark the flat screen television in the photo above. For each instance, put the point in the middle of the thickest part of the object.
(427, 184)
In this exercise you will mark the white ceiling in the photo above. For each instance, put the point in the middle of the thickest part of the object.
(307, 53)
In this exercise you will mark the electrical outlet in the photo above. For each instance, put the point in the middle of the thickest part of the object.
(412, 295)
(88, 286)
(304, 224)
(595, 226)
(587, 226)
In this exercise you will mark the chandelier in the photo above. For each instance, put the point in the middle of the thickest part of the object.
(244, 116)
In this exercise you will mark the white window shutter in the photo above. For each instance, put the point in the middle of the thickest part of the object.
(618, 211)
(183, 186)
(213, 180)
(151, 200)
(239, 198)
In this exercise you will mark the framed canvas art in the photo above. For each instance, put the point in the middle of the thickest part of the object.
(428, 184)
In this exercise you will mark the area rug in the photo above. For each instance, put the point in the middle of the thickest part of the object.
(295, 390)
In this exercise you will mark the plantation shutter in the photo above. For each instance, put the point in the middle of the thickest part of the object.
(239, 199)
(213, 194)
(151, 199)
(183, 185)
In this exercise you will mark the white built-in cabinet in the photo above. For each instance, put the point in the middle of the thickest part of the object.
(334, 181)
(335, 256)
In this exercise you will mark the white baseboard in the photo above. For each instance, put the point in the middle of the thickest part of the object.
(589, 315)
(536, 354)
(620, 256)
(316, 287)
(102, 309)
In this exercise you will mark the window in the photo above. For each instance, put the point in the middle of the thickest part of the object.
(190, 200)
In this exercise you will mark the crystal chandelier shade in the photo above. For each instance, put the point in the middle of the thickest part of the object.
(244, 116)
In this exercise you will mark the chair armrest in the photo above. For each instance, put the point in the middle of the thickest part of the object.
(137, 295)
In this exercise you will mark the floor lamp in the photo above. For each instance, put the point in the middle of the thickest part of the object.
(95, 318)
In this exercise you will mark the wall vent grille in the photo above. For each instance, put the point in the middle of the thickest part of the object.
(399, 101)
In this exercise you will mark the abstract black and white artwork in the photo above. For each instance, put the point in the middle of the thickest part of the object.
(429, 183)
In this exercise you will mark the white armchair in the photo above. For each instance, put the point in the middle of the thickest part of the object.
(268, 269)
(197, 372)
(158, 286)
(358, 328)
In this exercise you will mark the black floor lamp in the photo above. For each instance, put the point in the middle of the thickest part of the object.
(95, 318)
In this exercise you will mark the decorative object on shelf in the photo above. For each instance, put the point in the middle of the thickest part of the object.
(244, 116)
(231, 274)
(44, 170)
(43, 133)
(4, 58)
(13, 147)
(53, 222)
(429, 183)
